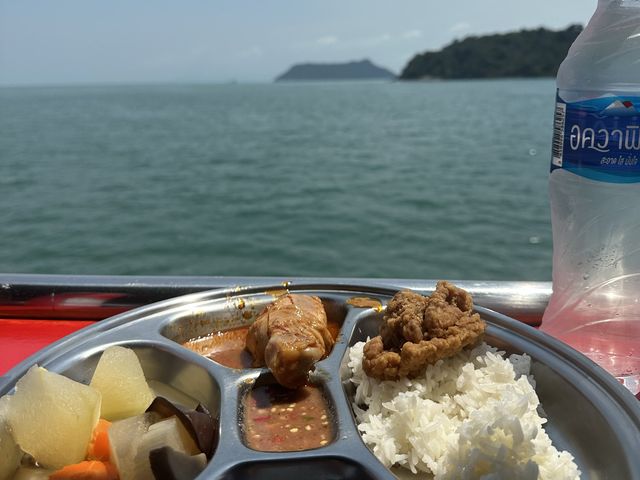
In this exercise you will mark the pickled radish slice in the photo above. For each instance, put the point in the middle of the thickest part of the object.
(167, 464)
(10, 453)
(53, 417)
(165, 433)
(32, 473)
(120, 380)
(134, 438)
(124, 439)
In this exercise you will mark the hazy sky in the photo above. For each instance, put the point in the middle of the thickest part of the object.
(88, 41)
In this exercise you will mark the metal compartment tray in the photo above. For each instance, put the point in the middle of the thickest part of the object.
(589, 413)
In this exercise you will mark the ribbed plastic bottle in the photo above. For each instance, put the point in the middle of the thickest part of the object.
(594, 191)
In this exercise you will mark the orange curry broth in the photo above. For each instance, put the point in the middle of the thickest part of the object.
(277, 419)
(228, 346)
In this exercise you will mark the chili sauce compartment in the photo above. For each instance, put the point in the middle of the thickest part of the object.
(273, 418)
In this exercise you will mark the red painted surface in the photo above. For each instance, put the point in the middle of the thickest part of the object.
(21, 338)
(24, 337)
(66, 306)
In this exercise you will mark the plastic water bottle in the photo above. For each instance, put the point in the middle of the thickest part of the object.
(594, 189)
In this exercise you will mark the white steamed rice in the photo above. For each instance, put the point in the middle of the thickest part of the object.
(471, 416)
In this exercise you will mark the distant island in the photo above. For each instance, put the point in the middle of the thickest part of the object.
(362, 70)
(526, 53)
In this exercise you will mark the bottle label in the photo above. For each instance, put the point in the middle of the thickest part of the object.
(598, 138)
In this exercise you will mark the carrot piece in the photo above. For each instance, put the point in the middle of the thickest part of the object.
(99, 444)
(87, 470)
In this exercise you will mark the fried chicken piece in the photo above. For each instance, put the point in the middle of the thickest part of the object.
(403, 319)
(289, 336)
(418, 331)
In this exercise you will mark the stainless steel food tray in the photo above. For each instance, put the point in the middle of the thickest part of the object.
(589, 413)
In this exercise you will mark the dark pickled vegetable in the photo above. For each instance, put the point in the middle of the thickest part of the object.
(202, 427)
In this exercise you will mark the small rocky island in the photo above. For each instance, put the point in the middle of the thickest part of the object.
(526, 53)
(362, 70)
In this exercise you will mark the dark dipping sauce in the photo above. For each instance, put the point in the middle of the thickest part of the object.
(277, 419)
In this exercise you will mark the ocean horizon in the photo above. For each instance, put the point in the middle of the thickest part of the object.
(233, 81)
(436, 179)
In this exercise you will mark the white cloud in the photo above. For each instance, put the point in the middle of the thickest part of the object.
(459, 27)
(327, 40)
(372, 41)
(412, 34)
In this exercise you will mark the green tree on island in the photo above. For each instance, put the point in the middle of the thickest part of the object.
(527, 53)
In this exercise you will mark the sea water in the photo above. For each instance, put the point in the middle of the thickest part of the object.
(394, 179)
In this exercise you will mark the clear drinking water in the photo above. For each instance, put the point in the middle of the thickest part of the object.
(594, 189)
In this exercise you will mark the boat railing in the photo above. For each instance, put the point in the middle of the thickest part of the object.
(95, 297)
